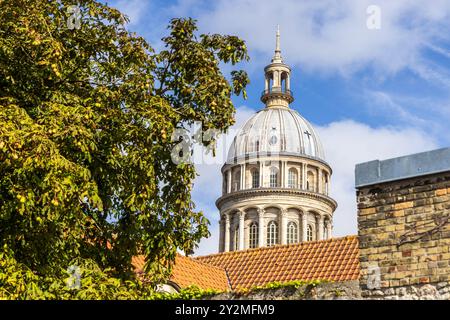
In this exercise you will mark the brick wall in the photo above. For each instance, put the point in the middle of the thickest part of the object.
(404, 237)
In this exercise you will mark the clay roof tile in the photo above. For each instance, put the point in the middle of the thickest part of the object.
(335, 259)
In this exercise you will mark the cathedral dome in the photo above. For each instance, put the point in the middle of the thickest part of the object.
(275, 182)
(276, 131)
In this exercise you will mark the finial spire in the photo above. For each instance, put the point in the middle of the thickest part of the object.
(277, 48)
(277, 87)
(277, 57)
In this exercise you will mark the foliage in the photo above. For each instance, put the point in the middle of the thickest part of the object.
(18, 282)
(194, 292)
(86, 119)
(287, 284)
(188, 293)
(338, 293)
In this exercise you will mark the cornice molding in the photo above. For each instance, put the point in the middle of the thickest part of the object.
(275, 156)
(248, 193)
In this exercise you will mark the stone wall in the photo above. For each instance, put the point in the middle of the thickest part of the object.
(346, 290)
(404, 236)
(439, 291)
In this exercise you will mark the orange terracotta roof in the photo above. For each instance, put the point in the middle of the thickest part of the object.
(335, 259)
(187, 271)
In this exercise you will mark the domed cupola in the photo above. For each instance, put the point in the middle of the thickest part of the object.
(276, 129)
(281, 131)
(276, 180)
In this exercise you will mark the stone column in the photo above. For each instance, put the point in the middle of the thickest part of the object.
(320, 228)
(329, 229)
(288, 82)
(241, 181)
(283, 226)
(304, 226)
(221, 235)
(286, 174)
(229, 180)
(275, 79)
(304, 175)
(320, 184)
(241, 230)
(260, 228)
(227, 232)
(242, 177)
(261, 173)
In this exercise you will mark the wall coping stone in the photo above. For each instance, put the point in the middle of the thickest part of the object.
(405, 167)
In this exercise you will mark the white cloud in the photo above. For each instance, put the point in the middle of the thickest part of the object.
(329, 35)
(209, 245)
(383, 102)
(208, 185)
(210, 168)
(429, 113)
(347, 143)
(134, 9)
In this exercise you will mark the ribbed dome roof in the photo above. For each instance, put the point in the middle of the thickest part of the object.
(276, 130)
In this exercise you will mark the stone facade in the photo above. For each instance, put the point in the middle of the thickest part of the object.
(404, 231)
(439, 291)
(275, 181)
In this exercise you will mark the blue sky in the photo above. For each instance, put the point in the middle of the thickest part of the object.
(371, 94)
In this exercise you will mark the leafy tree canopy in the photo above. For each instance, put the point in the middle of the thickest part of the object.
(87, 112)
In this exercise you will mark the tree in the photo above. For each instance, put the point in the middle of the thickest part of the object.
(87, 111)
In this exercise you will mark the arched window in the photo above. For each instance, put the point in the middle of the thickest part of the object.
(255, 178)
(326, 184)
(292, 233)
(237, 181)
(236, 239)
(272, 233)
(273, 177)
(225, 184)
(253, 235)
(292, 178)
(310, 181)
(309, 233)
